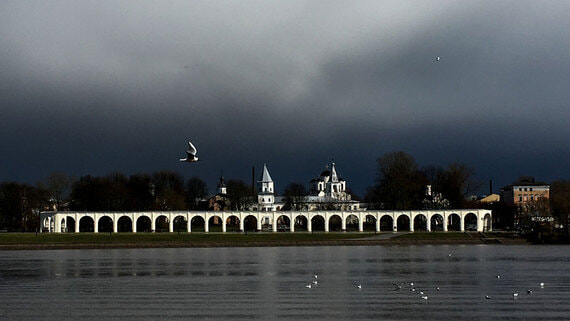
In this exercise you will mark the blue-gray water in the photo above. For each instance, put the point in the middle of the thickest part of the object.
(270, 283)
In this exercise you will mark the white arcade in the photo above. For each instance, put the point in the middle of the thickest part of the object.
(292, 221)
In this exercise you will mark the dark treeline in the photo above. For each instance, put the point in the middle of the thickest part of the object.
(20, 204)
(400, 184)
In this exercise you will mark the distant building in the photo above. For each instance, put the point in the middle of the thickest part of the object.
(523, 197)
(488, 200)
(434, 200)
(524, 190)
(267, 201)
(327, 192)
(219, 201)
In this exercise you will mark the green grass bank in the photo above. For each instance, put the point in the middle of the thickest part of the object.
(25, 241)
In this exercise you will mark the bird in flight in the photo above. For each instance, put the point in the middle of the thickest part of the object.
(190, 154)
(437, 58)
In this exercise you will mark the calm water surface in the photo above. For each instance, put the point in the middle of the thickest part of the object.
(271, 283)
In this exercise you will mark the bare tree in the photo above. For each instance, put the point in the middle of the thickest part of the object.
(240, 194)
(400, 185)
(58, 186)
(295, 194)
(196, 188)
(459, 183)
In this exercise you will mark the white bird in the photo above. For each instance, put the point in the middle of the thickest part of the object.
(190, 154)
(498, 276)
(529, 291)
(315, 282)
(316, 276)
(425, 297)
(437, 288)
(437, 58)
(359, 286)
(487, 297)
(449, 253)
(516, 294)
(308, 286)
(541, 284)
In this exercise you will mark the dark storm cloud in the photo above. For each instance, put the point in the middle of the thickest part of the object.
(92, 87)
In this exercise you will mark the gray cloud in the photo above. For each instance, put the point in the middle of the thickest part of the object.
(92, 87)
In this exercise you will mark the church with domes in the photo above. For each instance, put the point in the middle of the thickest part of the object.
(326, 192)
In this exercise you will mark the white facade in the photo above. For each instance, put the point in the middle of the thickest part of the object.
(329, 185)
(443, 220)
(326, 192)
(222, 188)
(266, 193)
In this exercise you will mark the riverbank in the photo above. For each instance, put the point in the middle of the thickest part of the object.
(30, 241)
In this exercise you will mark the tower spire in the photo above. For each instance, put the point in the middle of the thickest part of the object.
(334, 176)
(265, 177)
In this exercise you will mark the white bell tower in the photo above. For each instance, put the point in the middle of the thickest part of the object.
(266, 193)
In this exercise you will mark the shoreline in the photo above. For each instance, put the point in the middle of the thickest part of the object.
(213, 244)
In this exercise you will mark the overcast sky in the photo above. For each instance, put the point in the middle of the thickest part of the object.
(92, 87)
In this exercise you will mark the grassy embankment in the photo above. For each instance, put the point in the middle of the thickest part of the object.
(134, 238)
(434, 236)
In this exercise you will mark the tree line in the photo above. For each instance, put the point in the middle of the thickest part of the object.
(20, 203)
(399, 184)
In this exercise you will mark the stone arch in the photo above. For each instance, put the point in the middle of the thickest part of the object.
(283, 223)
(232, 224)
(46, 224)
(215, 224)
(250, 223)
(62, 226)
(487, 222)
(144, 224)
(266, 223)
(301, 223)
(317, 223)
(86, 224)
(352, 223)
(335, 223)
(403, 222)
(70, 226)
(436, 222)
(180, 224)
(124, 224)
(369, 223)
(470, 222)
(105, 224)
(386, 223)
(420, 222)
(197, 224)
(453, 222)
(161, 224)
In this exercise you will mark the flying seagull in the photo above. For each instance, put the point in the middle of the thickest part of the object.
(437, 58)
(191, 154)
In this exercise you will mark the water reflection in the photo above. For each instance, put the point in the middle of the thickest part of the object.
(271, 283)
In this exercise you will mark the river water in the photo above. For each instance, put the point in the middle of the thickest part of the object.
(270, 283)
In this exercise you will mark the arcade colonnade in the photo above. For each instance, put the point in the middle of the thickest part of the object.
(171, 221)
